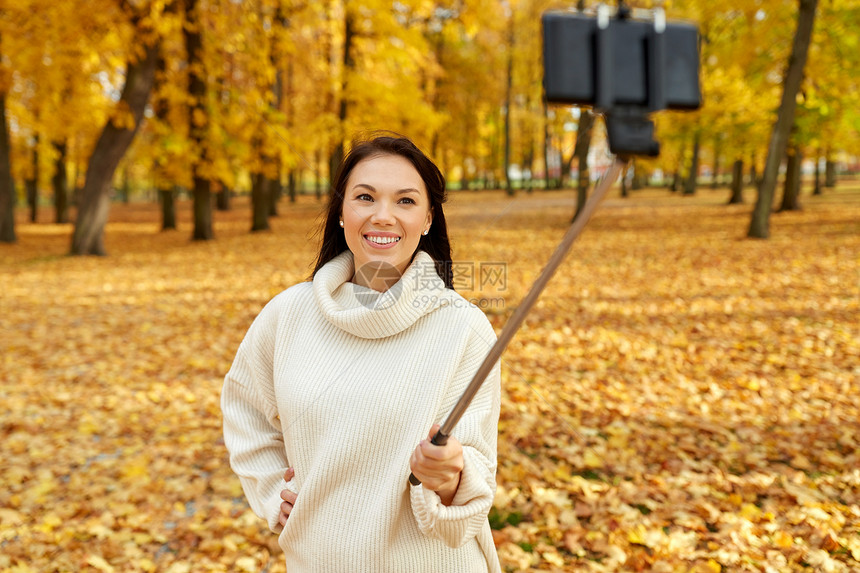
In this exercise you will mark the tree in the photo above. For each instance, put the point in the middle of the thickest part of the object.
(791, 191)
(267, 143)
(31, 184)
(7, 185)
(759, 223)
(347, 70)
(737, 195)
(60, 184)
(115, 138)
(198, 122)
(509, 85)
(580, 151)
(693, 174)
(829, 95)
(164, 184)
(167, 152)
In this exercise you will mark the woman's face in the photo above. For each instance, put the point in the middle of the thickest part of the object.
(386, 208)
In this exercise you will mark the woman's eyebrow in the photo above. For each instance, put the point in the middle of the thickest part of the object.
(372, 188)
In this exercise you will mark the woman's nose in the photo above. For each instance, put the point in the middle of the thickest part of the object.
(383, 213)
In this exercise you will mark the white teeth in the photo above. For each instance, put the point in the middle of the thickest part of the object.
(382, 240)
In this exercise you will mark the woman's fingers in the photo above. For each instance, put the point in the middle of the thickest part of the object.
(437, 466)
(286, 508)
(289, 498)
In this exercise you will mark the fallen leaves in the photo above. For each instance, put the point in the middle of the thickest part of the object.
(681, 400)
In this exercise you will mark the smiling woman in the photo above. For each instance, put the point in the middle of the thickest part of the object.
(329, 401)
(390, 179)
(386, 211)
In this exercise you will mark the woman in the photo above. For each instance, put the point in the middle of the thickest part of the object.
(339, 378)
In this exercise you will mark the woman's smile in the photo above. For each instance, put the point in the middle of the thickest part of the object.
(382, 240)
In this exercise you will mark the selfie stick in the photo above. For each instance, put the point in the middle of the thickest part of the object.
(513, 324)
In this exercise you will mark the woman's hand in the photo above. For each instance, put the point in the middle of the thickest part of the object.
(438, 467)
(289, 498)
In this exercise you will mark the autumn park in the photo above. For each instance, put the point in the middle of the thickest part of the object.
(684, 397)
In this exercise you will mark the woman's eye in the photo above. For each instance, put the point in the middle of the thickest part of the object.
(364, 197)
(408, 200)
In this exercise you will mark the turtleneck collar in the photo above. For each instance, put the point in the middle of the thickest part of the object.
(367, 313)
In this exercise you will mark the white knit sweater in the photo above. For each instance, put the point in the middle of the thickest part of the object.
(340, 383)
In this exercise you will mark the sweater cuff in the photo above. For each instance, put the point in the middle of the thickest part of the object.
(275, 525)
(473, 482)
(462, 520)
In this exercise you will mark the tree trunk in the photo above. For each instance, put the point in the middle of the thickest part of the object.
(547, 141)
(508, 102)
(291, 185)
(223, 198)
(338, 153)
(167, 198)
(677, 176)
(198, 119)
(583, 144)
(32, 184)
(274, 195)
(288, 103)
(163, 186)
(715, 182)
(203, 230)
(790, 201)
(625, 176)
(168, 209)
(273, 161)
(318, 184)
(638, 181)
(60, 183)
(7, 184)
(202, 209)
(528, 162)
(817, 185)
(259, 203)
(94, 205)
(760, 220)
(692, 177)
(737, 183)
(829, 173)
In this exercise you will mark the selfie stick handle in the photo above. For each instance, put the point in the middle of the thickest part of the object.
(513, 324)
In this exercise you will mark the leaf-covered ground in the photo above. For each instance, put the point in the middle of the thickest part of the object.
(682, 398)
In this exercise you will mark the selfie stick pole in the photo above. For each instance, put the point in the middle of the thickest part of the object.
(513, 324)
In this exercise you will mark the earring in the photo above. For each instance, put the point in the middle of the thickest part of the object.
(426, 231)
(341, 223)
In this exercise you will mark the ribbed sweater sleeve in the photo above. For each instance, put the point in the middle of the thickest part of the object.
(477, 430)
(252, 431)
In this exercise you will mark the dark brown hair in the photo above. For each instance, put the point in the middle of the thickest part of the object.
(435, 243)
